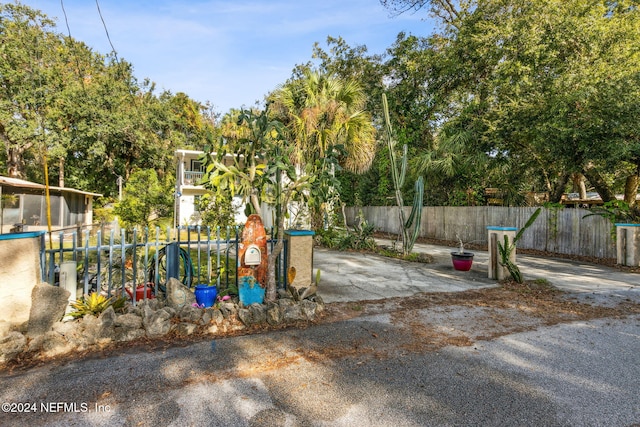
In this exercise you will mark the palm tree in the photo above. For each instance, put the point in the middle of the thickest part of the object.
(324, 113)
(327, 124)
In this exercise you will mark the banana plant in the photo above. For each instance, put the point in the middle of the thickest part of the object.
(410, 227)
(505, 250)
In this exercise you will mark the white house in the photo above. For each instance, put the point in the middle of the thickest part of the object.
(189, 175)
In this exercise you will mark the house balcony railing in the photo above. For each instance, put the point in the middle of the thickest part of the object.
(192, 178)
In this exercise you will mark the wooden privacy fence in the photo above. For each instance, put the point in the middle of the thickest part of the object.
(561, 230)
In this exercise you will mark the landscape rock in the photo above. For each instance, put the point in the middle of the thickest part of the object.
(274, 314)
(48, 305)
(319, 303)
(150, 318)
(191, 314)
(157, 323)
(54, 344)
(245, 316)
(308, 308)
(11, 346)
(70, 331)
(178, 295)
(127, 327)
(124, 334)
(229, 310)
(285, 303)
(186, 328)
(108, 318)
(217, 316)
(207, 315)
(89, 329)
(128, 321)
(258, 313)
(293, 313)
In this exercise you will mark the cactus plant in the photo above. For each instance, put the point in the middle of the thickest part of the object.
(409, 227)
(505, 250)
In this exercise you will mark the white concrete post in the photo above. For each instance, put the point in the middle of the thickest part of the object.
(300, 256)
(628, 244)
(495, 235)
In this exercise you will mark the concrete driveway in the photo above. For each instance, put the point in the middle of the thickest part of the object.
(351, 276)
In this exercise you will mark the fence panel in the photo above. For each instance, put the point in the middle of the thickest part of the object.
(565, 231)
(115, 263)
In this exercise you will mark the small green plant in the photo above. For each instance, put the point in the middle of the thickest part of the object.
(361, 238)
(95, 304)
(505, 250)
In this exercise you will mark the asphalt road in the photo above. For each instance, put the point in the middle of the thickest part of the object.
(351, 373)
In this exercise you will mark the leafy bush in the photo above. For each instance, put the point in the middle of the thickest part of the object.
(616, 211)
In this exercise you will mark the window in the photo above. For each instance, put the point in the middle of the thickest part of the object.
(197, 166)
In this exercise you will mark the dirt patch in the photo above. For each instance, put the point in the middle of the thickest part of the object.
(436, 320)
(428, 321)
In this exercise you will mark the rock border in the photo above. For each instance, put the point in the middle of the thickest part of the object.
(151, 318)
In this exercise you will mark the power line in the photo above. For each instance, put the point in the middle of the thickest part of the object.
(113, 49)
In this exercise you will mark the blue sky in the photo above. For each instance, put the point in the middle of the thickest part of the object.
(230, 53)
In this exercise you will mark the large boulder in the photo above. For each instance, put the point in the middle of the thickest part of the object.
(178, 295)
(48, 305)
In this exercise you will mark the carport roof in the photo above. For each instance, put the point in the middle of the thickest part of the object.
(21, 183)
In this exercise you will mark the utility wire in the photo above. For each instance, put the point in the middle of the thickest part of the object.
(113, 49)
(71, 42)
(66, 20)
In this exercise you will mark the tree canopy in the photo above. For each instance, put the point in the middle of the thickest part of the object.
(82, 112)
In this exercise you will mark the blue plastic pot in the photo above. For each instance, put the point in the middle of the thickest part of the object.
(250, 291)
(206, 295)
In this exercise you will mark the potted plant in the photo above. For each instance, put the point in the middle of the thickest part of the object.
(461, 260)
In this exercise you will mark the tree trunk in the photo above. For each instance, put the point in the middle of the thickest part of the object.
(15, 164)
(558, 191)
(594, 177)
(579, 185)
(61, 173)
(631, 189)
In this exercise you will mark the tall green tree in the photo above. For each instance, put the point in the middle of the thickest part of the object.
(145, 198)
(83, 113)
(545, 89)
(261, 170)
(27, 56)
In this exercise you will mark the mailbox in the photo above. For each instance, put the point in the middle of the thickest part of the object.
(252, 255)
